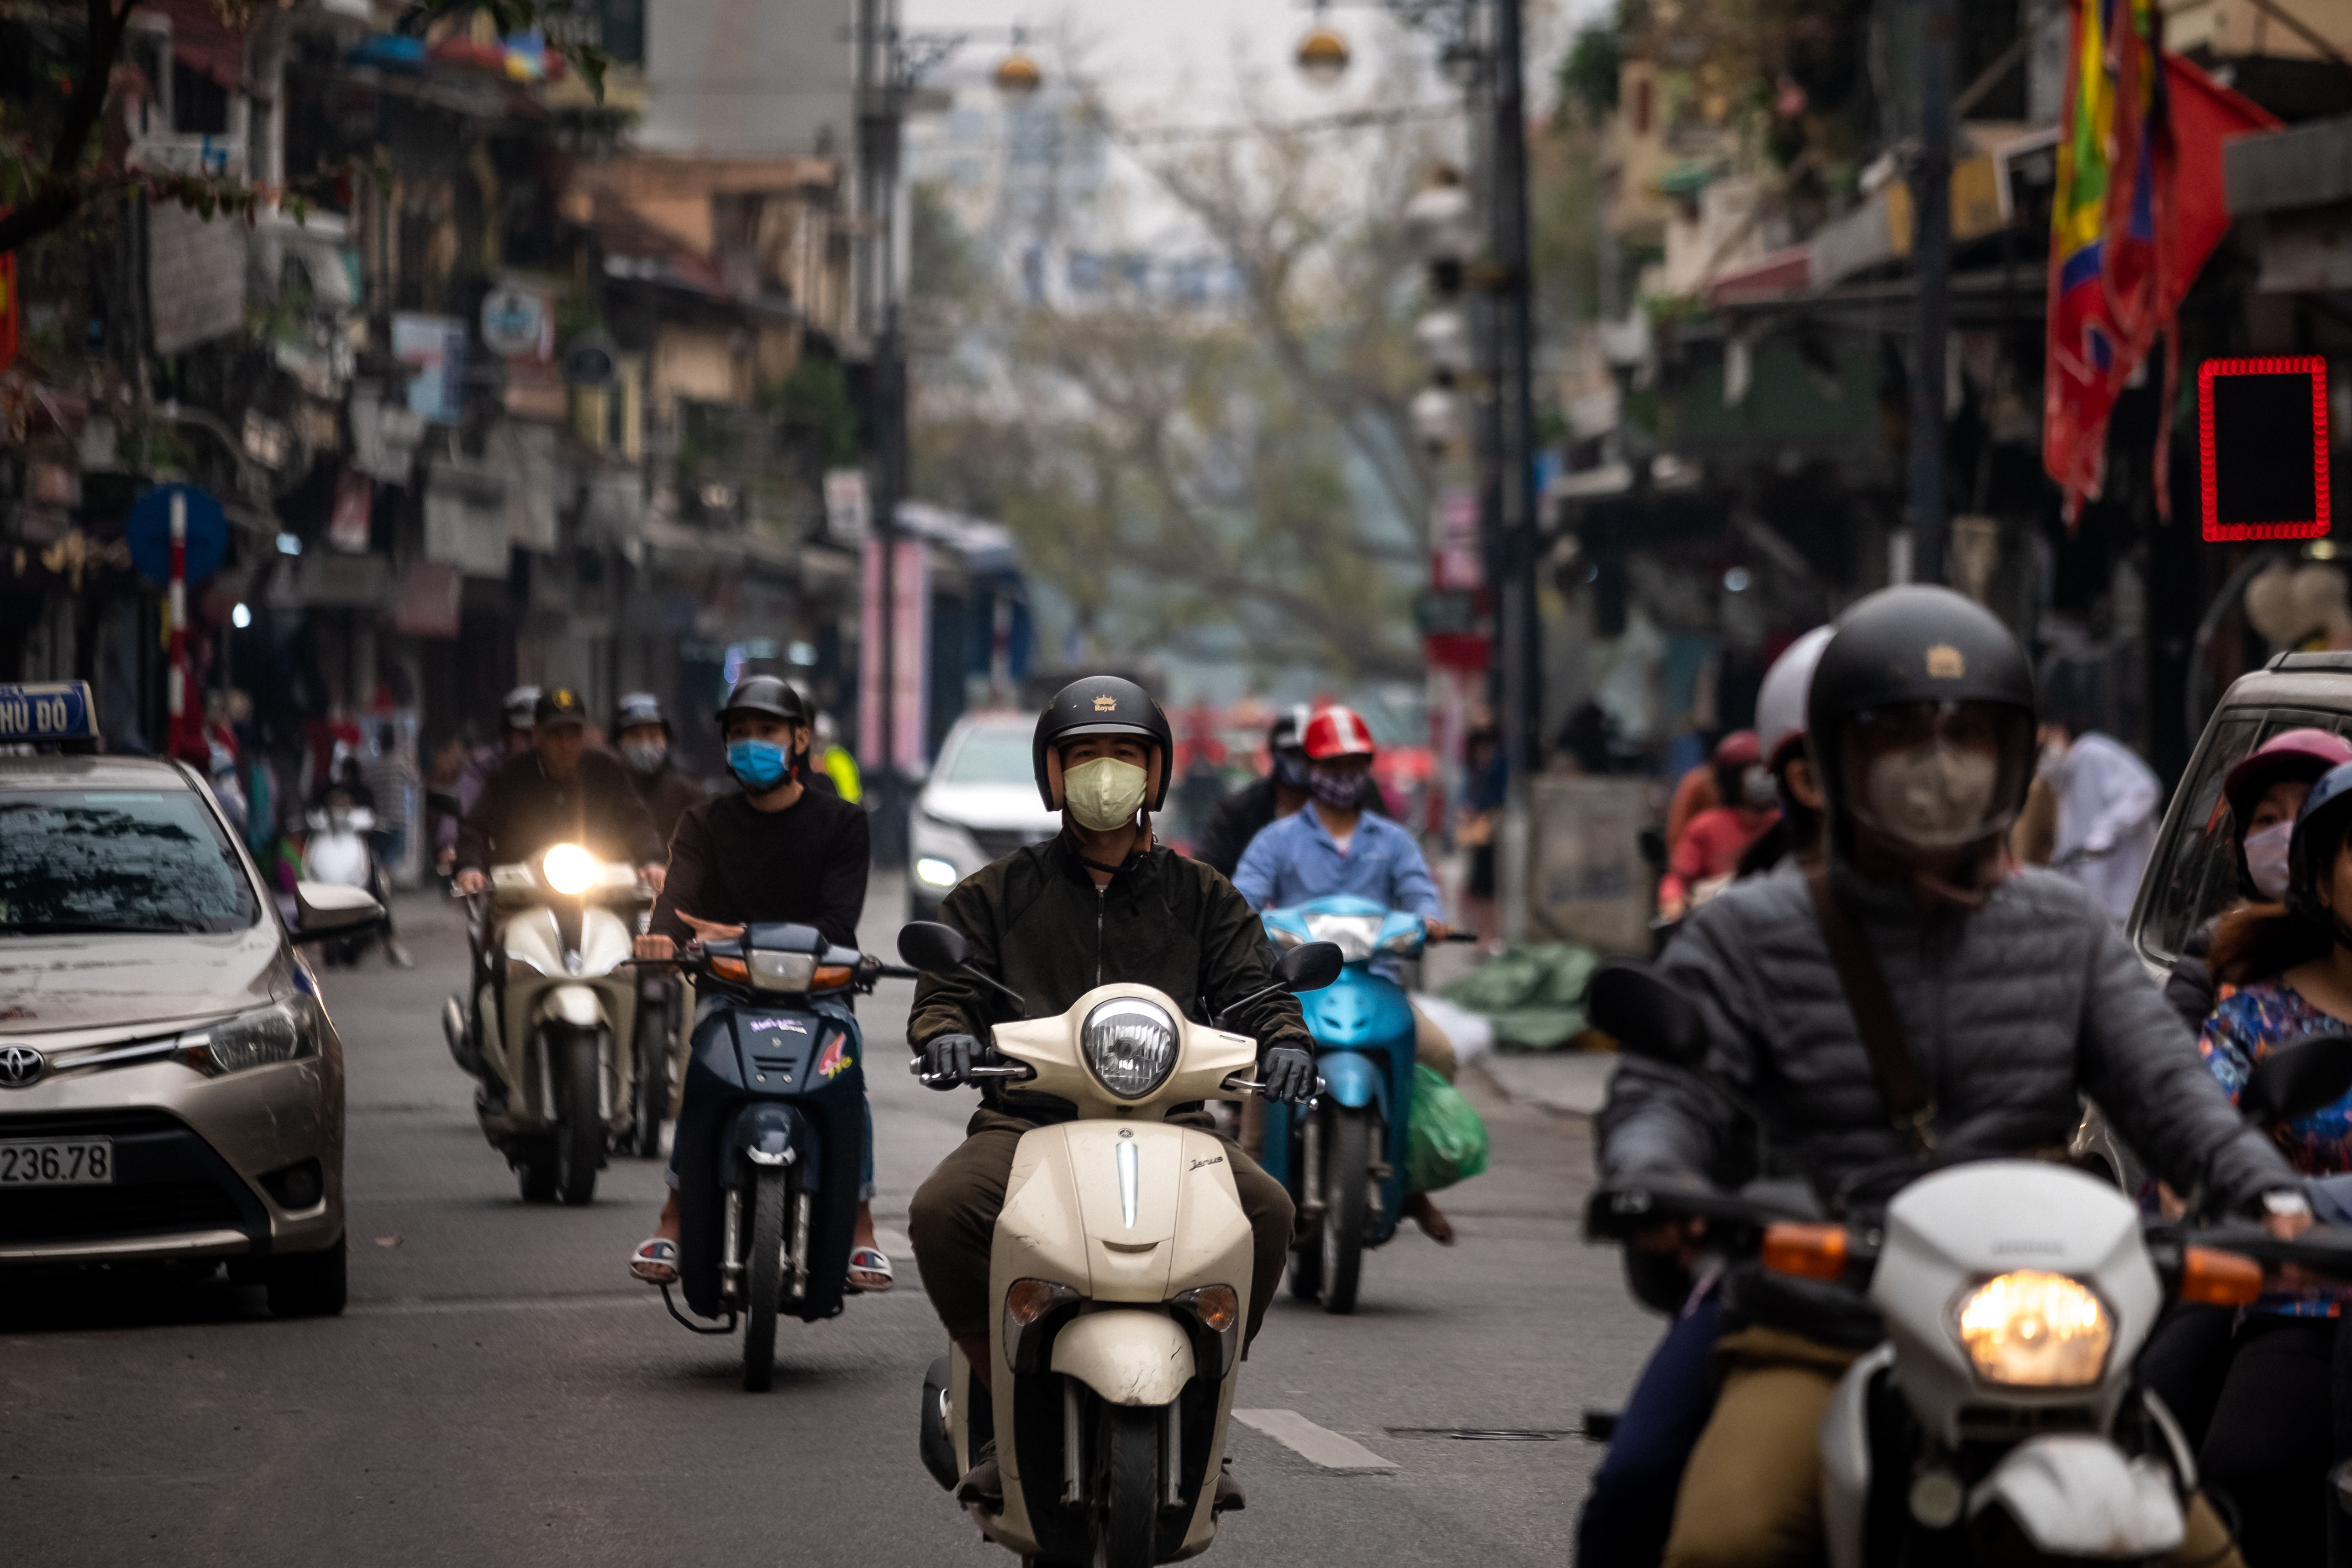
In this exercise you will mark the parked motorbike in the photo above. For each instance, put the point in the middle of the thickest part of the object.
(2000, 1421)
(552, 1031)
(1344, 1162)
(336, 850)
(1122, 1270)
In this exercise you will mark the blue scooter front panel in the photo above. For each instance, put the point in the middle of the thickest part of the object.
(771, 1073)
(1363, 1024)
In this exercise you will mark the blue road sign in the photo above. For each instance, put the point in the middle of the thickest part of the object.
(148, 534)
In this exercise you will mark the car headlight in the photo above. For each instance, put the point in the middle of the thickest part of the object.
(932, 871)
(2028, 1328)
(1129, 1044)
(570, 869)
(285, 1032)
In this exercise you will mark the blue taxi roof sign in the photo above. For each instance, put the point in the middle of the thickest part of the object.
(46, 711)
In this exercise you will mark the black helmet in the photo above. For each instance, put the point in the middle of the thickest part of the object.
(1288, 731)
(1102, 705)
(558, 705)
(1904, 648)
(638, 708)
(766, 695)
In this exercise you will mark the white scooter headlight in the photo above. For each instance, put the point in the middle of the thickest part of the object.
(1129, 1044)
(2028, 1328)
(570, 869)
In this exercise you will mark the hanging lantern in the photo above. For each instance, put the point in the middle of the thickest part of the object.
(1322, 57)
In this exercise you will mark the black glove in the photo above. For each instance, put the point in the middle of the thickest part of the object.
(1287, 1075)
(947, 1058)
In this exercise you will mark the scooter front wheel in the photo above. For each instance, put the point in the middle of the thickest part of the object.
(1346, 1182)
(580, 1135)
(1127, 1483)
(652, 1097)
(763, 1281)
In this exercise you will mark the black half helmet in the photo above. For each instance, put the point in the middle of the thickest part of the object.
(768, 695)
(1905, 649)
(638, 708)
(1101, 705)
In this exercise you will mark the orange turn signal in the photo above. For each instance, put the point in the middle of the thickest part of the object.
(2217, 1279)
(831, 976)
(1218, 1308)
(733, 969)
(1030, 1299)
(1807, 1251)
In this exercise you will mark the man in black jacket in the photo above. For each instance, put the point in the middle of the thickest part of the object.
(642, 732)
(559, 792)
(1098, 905)
(1240, 815)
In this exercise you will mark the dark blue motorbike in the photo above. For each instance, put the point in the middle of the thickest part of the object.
(1343, 1158)
(771, 1144)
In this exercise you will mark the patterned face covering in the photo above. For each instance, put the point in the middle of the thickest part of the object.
(1339, 791)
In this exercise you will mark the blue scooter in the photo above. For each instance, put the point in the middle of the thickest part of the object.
(769, 1161)
(1343, 1158)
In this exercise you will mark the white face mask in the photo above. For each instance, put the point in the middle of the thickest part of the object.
(1102, 795)
(1933, 796)
(2266, 860)
(1757, 790)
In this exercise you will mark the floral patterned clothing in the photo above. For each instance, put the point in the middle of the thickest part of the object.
(2246, 1026)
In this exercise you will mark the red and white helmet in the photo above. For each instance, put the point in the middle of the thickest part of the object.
(1338, 732)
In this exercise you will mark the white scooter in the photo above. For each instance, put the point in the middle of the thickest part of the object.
(1121, 1273)
(336, 851)
(2000, 1421)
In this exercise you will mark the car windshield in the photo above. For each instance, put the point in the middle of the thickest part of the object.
(2195, 874)
(117, 861)
(989, 755)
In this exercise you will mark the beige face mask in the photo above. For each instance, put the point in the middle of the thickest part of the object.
(1102, 795)
(1936, 796)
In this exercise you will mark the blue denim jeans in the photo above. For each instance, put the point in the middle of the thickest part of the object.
(1630, 1505)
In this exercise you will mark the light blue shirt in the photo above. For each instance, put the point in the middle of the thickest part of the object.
(1295, 858)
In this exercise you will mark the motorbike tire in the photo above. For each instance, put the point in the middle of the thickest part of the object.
(1307, 1245)
(652, 1097)
(534, 1168)
(1127, 1487)
(1346, 1182)
(580, 1128)
(763, 1280)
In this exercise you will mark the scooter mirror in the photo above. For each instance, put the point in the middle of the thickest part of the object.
(1311, 967)
(929, 946)
(2299, 1077)
(1647, 1015)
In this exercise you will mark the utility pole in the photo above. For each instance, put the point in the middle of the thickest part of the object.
(1931, 205)
(880, 106)
(1520, 647)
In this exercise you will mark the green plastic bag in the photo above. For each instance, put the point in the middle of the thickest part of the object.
(1444, 1141)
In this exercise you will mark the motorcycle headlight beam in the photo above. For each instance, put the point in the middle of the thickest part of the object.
(570, 869)
(2029, 1328)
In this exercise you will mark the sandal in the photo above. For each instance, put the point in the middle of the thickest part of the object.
(872, 1260)
(655, 1261)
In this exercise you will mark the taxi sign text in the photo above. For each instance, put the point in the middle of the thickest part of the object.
(50, 710)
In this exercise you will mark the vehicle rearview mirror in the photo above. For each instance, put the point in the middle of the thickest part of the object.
(2298, 1077)
(929, 946)
(1310, 966)
(1647, 1015)
(332, 909)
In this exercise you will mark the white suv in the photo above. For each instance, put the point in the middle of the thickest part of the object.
(980, 806)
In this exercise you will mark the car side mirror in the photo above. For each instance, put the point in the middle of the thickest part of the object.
(931, 946)
(1647, 1015)
(1310, 966)
(331, 910)
(2298, 1077)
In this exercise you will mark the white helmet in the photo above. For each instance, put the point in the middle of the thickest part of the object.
(1780, 702)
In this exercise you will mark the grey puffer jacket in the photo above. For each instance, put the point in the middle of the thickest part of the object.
(2009, 1010)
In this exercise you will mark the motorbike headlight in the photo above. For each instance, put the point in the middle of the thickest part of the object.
(2028, 1328)
(1129, 1044)
(1359, 936)
(570, 869)
(285, 1032)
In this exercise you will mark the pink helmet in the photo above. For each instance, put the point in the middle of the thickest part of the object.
(2291, 754)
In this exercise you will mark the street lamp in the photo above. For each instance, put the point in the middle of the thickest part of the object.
(1322, 57)
(1018, 77)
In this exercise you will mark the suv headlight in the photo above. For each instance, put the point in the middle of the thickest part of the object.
(284, 1032)
(2028, 1328)
(1129, 1044)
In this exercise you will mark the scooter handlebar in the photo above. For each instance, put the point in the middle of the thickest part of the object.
(1236, 1084)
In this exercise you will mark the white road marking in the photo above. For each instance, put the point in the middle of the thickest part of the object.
(1319, 1445)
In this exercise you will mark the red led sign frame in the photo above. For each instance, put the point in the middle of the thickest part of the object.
(2253, 464)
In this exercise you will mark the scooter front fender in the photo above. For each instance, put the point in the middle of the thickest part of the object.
(577, 1006)
(1353, 1080)
(1129, 1357)
(770, 1133)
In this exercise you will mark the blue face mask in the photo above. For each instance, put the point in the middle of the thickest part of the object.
(758, 765)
